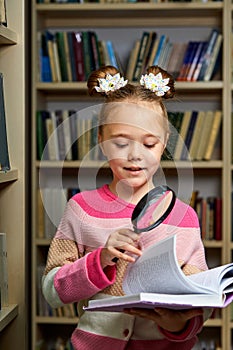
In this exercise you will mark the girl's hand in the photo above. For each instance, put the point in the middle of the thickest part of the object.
(118, 242)
(170, 320)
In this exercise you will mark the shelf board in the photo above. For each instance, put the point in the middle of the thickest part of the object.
(213, 322)
(7, 314)
(131, 14)
(56, 320)
(7, 36)
(8, 176)
(212, 244)
(67, 87)
(213, 164)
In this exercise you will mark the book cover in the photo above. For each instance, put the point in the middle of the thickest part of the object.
(132, 60)
(72, 56)
(189, 135)
(4, 154)
(3, 16)
(186, 61)
(49, 41)
(140, 57)
(95, 50)
(207, 55)
(182, 135)
(214, 58)
(67, 56)
(218, 219)
(46, 74)
(148, 51)
(167, 285)
(41, 134)
(195, 60)
(203, 139)
(78, 52)
(196, 134)
(199, 62)
(176, 58)
(159, 51)
(3, 270)
(213, 134)
(62, 55)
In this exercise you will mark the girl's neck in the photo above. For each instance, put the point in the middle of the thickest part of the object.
(129, 194)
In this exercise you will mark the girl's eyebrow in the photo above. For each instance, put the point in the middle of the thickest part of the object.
(128, 136)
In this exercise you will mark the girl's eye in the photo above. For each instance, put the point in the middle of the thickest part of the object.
(121, 145)
(150, 145)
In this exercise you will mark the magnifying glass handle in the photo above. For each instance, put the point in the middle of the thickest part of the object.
(116, 259)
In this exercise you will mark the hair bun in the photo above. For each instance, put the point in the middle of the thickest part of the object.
(171, 84)
(100, 73)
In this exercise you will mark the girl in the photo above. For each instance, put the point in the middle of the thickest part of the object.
(96, 227)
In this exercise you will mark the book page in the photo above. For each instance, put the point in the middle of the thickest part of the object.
(219, 279)
(157, 271)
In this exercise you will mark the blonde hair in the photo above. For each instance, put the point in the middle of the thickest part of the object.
(133, 93)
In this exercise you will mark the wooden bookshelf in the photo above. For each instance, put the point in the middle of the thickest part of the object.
(7, 314)
(162, 16)
(13, 329)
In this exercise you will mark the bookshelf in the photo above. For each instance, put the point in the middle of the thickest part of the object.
(212, 177)
(13, 328)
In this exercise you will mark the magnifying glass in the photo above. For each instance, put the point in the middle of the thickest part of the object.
(152, 209)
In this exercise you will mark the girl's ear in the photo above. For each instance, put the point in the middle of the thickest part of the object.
(100, 139)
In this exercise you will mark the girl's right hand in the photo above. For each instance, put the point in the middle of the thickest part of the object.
(116, 246)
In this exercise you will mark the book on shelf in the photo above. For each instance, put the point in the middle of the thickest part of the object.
(78, 55)
(189, 135)
(188, 60)
(4, 153)
(182, 135)
(193, 64)
(156, 280)
(209, 212)
(162, 42)
(207, 54)
(3, 270)
(3, 14)
(51, 204)
(213, 134)
(141, 53)
(132, 60)
(215, 58)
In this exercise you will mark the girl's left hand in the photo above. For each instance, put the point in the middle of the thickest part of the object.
(170, 320)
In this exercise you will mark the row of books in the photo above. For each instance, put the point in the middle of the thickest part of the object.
(209, 211)
(187, 61)
(193, 135)
(64, 135)
(58, 344)
(72, 56)
(51, 203)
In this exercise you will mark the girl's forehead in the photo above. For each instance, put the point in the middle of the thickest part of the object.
(136, 116)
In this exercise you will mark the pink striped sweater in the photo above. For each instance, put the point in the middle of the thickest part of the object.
(74, 274)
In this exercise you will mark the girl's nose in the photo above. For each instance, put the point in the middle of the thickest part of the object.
(135, 151)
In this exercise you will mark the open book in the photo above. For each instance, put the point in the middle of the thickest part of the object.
(156, 280)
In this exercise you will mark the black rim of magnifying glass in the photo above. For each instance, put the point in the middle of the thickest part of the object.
(145, 202)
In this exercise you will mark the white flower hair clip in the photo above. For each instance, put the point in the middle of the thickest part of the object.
(110, 83)
(155, 83)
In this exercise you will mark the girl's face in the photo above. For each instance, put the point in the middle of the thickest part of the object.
(133, 139)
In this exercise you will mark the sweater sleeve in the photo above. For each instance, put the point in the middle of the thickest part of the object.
(193, 327)
(77, 281)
